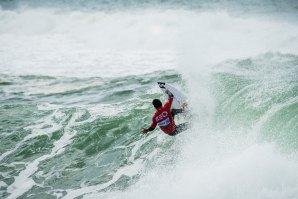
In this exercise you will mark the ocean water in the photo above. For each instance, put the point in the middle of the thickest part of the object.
(77, 79)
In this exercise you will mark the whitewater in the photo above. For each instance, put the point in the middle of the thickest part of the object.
(77, 80)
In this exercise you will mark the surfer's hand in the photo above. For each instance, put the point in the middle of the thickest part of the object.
(168, 93)
(144, 131)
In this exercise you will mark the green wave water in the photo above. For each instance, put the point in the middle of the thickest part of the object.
(98, 126)
(261, 94)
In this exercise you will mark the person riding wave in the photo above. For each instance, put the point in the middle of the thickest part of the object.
(164, 117)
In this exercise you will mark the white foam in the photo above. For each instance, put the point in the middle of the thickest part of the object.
(125, 43)
(2, 184)
(256, 172)
(85, 44)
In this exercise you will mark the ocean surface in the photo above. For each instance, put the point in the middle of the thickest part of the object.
(77, 79)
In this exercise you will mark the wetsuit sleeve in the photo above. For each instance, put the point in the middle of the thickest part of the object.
(153, 125)
(169, 102)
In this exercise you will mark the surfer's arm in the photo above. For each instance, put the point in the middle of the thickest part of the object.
(151, 128)
(170, 101)
(144, 131)
(169, 93)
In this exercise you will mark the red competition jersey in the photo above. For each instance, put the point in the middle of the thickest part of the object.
(163, 118)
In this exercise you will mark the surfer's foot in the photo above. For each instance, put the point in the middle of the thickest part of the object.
(184, 106)
(176, 111)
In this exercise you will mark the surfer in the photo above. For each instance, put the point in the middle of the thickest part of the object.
(164, 117)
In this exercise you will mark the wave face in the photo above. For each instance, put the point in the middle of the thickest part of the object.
(77, 79)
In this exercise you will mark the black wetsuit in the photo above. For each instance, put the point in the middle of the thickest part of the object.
(180, 127)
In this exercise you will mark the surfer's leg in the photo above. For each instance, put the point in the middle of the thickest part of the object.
(180, 128)
(176, 111)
